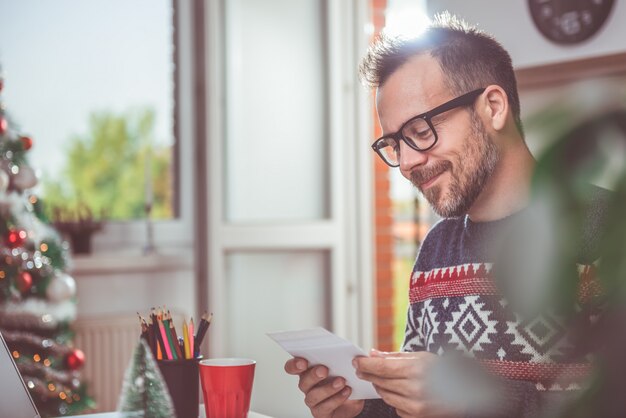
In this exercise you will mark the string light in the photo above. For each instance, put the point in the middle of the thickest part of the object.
(43, 247)
(37, 358)
(2, 274)
(51, 387)
(16, 354)
(62, 395)
(47, 362)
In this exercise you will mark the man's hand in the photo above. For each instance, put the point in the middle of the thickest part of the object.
(325, 397)
(400, 379)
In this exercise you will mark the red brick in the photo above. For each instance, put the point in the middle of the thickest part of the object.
(384, 311)
(383, 221)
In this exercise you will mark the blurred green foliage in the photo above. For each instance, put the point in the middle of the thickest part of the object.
(580, 157)
(106, 169)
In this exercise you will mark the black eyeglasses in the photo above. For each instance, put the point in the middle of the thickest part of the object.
(418, 132)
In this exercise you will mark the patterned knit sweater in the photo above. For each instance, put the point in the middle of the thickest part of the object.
(456, 307)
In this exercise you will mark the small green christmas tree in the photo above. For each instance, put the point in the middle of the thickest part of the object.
(144, 392)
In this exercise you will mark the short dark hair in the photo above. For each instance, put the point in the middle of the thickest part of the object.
(469, 58)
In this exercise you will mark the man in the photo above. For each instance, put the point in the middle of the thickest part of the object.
(449, 109)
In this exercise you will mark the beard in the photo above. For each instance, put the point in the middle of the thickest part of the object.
(469, 173)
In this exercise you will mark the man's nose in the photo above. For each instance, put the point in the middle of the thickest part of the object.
(410, 158)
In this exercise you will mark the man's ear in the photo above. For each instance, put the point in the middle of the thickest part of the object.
(495, 107)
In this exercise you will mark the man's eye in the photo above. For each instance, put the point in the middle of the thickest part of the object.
(421, 135)
(418, 131)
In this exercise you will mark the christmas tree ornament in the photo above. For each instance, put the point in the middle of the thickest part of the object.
(25, 178)
(75, 359)
(61, 287)
(16, 238)
(4, 125)
(27, 142)
(4, 181)
(24, 281)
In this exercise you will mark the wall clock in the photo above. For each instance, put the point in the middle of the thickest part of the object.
(569, 21)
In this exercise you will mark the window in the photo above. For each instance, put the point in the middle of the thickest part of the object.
(93, 84)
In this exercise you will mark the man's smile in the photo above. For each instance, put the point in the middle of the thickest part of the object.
(426, 184)
(424, 177)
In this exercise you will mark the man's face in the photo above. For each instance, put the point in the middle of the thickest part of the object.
(452, 174)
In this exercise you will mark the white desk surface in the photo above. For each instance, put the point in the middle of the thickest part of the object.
(121, 415)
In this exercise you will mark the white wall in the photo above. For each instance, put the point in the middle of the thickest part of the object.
(110, 293)
(510, 22)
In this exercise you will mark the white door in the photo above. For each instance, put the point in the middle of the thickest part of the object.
(289, 224)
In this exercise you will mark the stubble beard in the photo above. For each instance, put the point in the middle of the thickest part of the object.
(469, 174)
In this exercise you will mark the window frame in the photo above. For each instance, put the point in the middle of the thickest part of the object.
(176, 234)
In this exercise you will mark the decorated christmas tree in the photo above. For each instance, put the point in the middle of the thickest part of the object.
(37, 296)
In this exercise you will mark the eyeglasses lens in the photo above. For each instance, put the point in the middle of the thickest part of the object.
(417, 132)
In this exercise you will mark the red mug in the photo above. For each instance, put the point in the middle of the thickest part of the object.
(227, 386)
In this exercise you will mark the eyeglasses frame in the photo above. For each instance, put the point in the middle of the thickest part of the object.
(462, 100)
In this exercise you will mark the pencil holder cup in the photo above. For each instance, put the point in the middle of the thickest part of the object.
(181, 377)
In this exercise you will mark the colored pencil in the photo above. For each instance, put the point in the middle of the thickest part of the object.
(144, 328)
(168, 351)
(205, 322)
(191, 338)
(170, 338)
(158, 342)
(179, 354)
(157, 332)
(186, 340)
(165, 344)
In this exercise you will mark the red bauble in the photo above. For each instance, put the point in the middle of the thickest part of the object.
(16, 238)
(4, 125)
(27, 142)
(24, 281)
(75, 359)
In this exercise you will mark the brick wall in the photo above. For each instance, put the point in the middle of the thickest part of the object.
(383, 225)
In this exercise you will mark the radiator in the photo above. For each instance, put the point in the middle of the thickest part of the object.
(108, 343)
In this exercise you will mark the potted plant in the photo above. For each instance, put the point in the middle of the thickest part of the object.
(78, 226)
